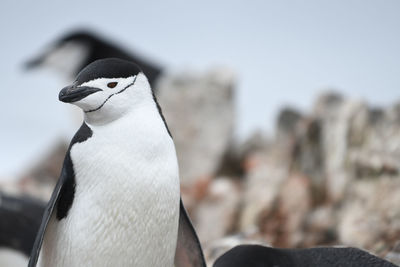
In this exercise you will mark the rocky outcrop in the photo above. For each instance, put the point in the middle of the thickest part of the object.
(216, 215)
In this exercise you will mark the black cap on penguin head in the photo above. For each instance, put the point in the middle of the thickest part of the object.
(107, 68)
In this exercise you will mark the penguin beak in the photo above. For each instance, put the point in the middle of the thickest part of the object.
(33, 63)
(75, 93)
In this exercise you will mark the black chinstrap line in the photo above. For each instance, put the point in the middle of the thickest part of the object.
(122, 90)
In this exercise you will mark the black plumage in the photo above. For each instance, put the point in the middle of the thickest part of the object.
(260, 256)
(20, 221)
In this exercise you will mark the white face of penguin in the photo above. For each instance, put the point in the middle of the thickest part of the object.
(106, 99)
(107, 89)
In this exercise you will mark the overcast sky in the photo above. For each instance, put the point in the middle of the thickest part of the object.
(284, 53)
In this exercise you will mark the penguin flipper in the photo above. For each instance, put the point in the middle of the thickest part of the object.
(45, 220)
(62, 196)
(188, 249)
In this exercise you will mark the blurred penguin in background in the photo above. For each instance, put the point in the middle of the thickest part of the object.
(20, 220)
(71, 52)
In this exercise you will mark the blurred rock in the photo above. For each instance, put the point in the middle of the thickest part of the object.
(394, 255)
(231, 163)
(320, 226)
(294, 205)
(256, 143)
(216, 215)
(371, 214)
(372, 164)
(199, 109)
(339, 119)
(342, 183)
(261, 189)
(237, 159)
(327, 103)
(283, 225)
(308, 158)
(287, 122)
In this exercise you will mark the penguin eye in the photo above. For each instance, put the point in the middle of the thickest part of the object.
(112, 84)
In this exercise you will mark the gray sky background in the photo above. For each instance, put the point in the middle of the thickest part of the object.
(284, 53)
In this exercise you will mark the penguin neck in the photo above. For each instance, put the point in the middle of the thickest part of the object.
(142, 122)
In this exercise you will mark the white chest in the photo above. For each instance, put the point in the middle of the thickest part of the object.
(126, 206)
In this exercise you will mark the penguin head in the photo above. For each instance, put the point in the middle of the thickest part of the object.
(107, 89)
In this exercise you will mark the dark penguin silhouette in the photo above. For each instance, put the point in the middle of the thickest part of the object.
(20, 218)
(73, 51)
(260, 256)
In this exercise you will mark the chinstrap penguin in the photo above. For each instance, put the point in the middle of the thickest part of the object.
(117, 201)
(75, 50)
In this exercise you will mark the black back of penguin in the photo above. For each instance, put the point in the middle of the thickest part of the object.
(260, 256)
